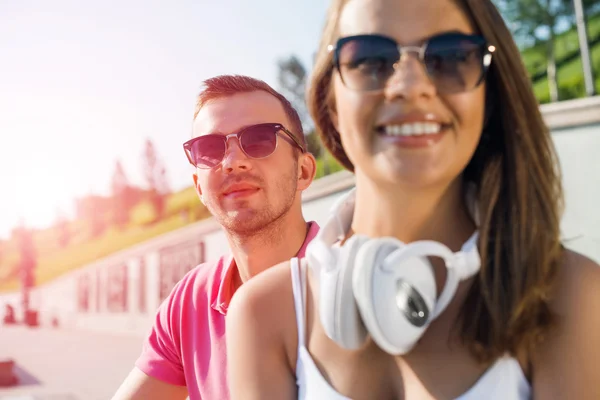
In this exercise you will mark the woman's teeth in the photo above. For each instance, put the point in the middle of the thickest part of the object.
(412, 129)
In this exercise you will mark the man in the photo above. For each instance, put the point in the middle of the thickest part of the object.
(251, 168)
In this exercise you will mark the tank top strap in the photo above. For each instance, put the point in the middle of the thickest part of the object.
(299, 292)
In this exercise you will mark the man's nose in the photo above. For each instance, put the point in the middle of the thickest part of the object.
(234, 157)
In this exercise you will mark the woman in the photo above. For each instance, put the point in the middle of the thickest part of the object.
(428, 103)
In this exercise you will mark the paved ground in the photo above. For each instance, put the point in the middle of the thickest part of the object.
(66, 365)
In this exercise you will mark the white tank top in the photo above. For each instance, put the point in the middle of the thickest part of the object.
(504, 380)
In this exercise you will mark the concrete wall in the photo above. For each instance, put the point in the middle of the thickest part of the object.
(579, 153)
(121, 293)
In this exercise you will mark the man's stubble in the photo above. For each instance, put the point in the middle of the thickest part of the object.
(264, 220)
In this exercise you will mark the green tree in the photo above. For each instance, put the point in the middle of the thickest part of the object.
(313, 143)
(93, 209)
(292, 78)
(156, 179)
(62, 229)
(120, 204)
(539, 21)
(27, 261)
(591, 6)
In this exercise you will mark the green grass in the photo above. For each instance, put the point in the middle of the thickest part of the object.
(535, 57)
(181, 209)
(52, 265)
(570, 79)
(569, 75)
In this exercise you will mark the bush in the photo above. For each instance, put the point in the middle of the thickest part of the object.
(330, 162)
(143, 214)
(572, 88)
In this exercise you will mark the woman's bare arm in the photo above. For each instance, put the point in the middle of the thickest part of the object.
(257, 321)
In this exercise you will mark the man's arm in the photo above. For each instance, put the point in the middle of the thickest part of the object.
(139, 386)
(158, 372)
(258, 365)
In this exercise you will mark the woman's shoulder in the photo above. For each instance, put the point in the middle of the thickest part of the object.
(264, 293)
(565, 362)
(576, 299)
(578, 284)
(263, 308)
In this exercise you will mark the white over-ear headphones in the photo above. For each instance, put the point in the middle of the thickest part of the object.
(381, 287)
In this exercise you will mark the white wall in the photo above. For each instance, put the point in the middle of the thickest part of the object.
(579, 154)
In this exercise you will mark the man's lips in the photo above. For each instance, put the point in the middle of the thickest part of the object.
(240, 189)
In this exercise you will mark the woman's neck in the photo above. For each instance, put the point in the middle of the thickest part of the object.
(410, 214)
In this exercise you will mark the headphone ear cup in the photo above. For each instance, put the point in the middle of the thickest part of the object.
(389, 289)
(366, 260)
(338, 312)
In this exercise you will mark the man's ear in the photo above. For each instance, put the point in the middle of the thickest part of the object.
(307, 169)
(197, 187)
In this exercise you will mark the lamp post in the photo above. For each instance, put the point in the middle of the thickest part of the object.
(588, 73)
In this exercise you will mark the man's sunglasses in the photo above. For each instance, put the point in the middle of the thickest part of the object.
(454, 62)
(256, 141)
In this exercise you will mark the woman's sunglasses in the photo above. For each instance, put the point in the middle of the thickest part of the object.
(256, 141)
(454, 62)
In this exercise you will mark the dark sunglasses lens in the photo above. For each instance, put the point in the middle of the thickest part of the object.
(259, 141)
(455, 62)
(366, 63)
(208, 151)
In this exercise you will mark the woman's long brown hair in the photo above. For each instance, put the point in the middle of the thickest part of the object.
(516, 171)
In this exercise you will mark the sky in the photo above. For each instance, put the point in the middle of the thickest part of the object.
(85, 83)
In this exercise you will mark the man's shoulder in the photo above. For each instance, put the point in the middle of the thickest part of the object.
(202, 278)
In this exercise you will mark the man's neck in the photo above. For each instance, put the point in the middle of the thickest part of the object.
(277, 242)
